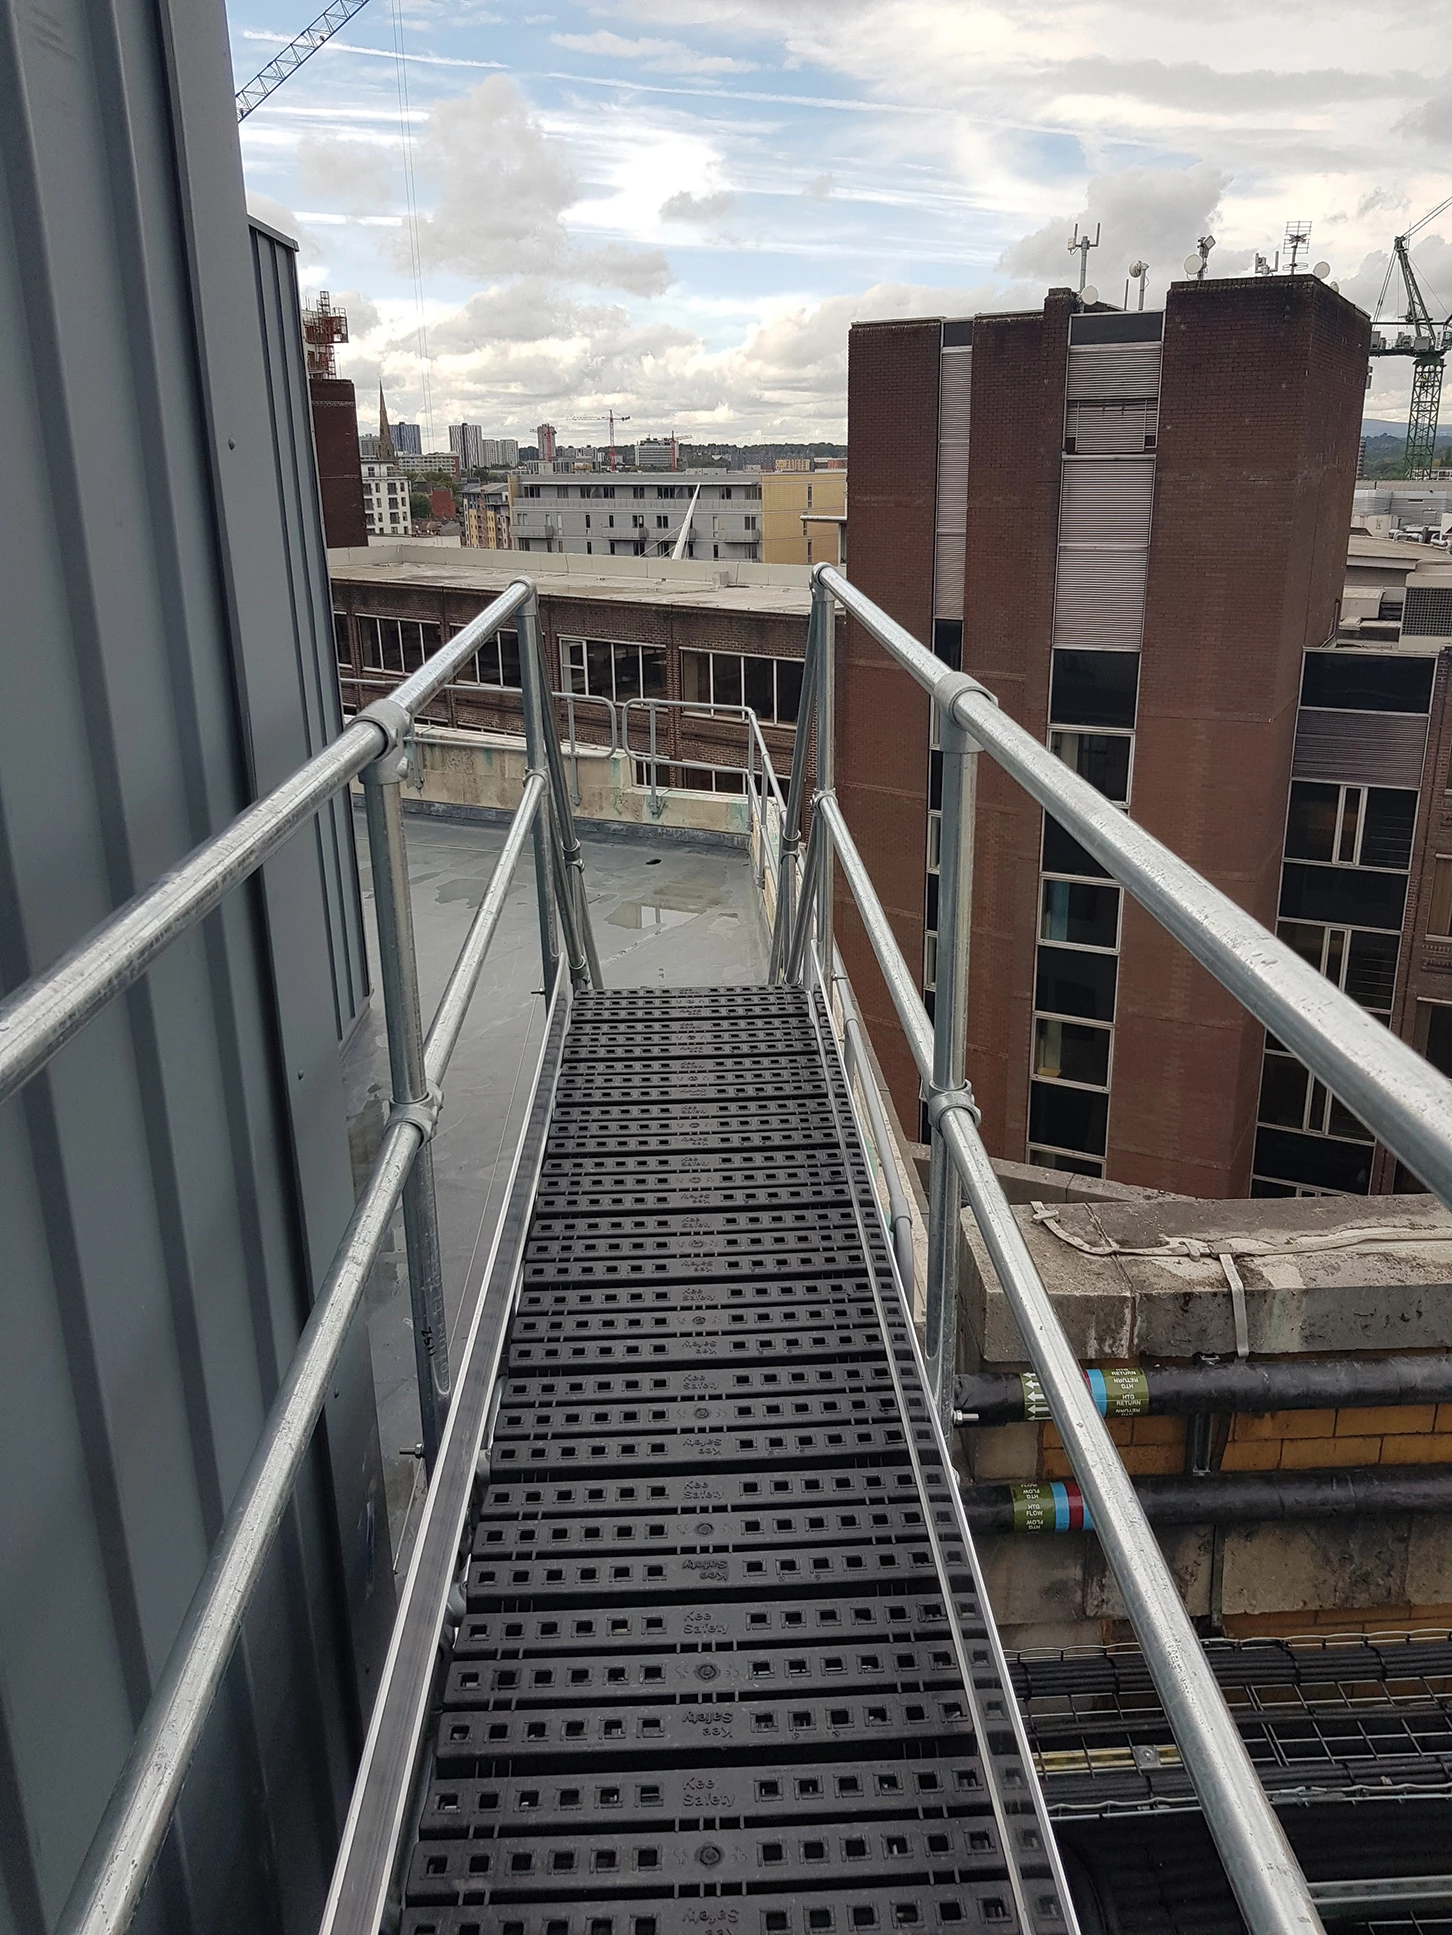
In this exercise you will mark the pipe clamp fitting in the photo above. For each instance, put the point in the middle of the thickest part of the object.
(393, 720)
(942, 1100)
(424, 1114)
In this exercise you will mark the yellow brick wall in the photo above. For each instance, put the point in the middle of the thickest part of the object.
(1411, 1434)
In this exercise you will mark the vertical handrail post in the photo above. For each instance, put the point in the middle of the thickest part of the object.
(791, 820)
(826, 768)
(413, 1097)
(950, 1014)
(573, 901)
(536, 760)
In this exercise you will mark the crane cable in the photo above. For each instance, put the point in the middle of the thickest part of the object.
(410, 195)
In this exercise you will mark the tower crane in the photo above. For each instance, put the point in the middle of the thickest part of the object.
(1424, 340)
(294, 54)
(582, 423)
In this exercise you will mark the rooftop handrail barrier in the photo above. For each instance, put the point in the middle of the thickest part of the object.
(1395, 1092)
(468, 688)
(50, 1010)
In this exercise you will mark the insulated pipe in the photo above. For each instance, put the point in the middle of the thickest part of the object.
(1237, 1384)
(1251, 1498)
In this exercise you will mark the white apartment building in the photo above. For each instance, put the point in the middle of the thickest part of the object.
(638, 514)
(385, 501)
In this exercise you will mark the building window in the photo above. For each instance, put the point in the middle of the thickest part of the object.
(397, 645)
(772, 687)
(751, 523)
(1103, 758)
(1351, 826)
(340, 640)
(1093, 688)
(604, 669)
(1363, 964)
(662, 523)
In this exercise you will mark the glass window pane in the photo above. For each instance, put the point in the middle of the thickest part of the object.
(1076, 1165)
(1436, 1020)
(696, 677)
(1094, 688)
(1084, 916)
(758, 686)
(1342, 896)
(788, 690)
(430, 637)
(1386, 836)
(627, 671)
(1311, 821)
(1291, 1157)
(1076, 984)
(340, 639)
(1070, 1051)
(597, 669)
(1063, 853)
(575, 664)
(726, 677)
(1283, 1091)
(1371, 969)
(1350, 826)
(372, 646)
(1068, 1118)
(1306, 938)
(1100, 757)
(509, 659)
(653, 672)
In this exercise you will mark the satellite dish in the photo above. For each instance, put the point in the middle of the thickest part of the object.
(1138, 268)
(1335, 288)
(1089, 296)
(1321, 270)
(1193, 265)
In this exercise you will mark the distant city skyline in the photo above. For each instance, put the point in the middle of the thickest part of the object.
(678, 211)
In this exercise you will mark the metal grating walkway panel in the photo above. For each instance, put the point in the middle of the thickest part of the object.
(722, 1666)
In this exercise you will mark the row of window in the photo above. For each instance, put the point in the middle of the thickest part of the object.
(772, 687)
(748, 493)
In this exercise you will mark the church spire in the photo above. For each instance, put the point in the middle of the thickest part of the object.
(385, 440)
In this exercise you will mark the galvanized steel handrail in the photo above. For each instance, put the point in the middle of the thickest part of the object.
(49, 1011)
(467, 686)
(1383, 1081)
(1262, 1870)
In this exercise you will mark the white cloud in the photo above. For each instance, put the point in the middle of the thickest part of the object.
(661, 56)
(503, 186)
(686, 207)
(356, 177)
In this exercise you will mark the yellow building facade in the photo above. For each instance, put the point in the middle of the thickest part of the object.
(786, 497)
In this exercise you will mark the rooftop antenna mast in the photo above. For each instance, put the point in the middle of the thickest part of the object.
(1138, 272)
(1197, 262)
(1298, 237)
(1081, 246)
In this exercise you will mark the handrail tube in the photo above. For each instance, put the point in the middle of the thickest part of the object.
(131, 1831)
(859, 1067)
(571, 856)
(1379, 1078)
(458, 991)
(791, 819)
(439, 667)
(806, 905)
(48, 1011)
(51, 1008)
(466, 686)
(1258, 1859)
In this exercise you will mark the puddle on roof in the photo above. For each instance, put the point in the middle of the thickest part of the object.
(643, 915)
(668, 907)
(469, 891)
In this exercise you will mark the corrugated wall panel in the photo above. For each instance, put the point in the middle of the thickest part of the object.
(1366, 748)
(171, 1186)
(1099, 599)
(1110, 429)
(1114, 369)
(951, 519)
(1106, 500)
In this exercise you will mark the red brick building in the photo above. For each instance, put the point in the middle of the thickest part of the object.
(340, 470)
(1132, 528)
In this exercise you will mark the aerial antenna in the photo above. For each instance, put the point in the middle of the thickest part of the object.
(1298, 237)
(1195, 263)
(1138, 271)
(1081, 246)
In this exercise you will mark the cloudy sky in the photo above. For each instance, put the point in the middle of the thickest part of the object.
(675, 208)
